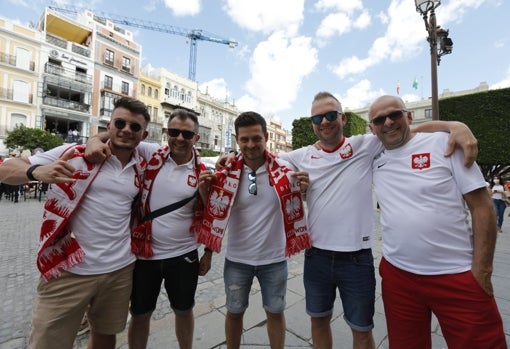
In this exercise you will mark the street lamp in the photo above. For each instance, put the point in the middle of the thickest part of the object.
(440, 44)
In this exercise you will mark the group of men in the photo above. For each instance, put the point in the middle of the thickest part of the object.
(433, 260)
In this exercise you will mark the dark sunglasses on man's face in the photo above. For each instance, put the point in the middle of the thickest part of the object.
(120, 124)
(330, 116)
(394, 115)
(173, 132)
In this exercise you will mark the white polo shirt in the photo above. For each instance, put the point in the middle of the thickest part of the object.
(101, 222)
(339, 198)
(170, 232)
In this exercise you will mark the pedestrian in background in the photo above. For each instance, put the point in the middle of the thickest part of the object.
(434, 261)
(498, 199)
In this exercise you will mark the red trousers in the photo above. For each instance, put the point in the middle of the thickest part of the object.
(469, 318)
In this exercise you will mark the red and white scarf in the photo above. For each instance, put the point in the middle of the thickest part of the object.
(58, 249)
(142, 233)
(211, 230)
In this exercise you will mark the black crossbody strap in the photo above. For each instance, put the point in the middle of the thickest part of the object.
(163, 210)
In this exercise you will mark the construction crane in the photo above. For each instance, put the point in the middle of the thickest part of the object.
(192, 34)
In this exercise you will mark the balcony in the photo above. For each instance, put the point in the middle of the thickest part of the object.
(10, 95)
(66, 104)
(11, 60)
(59, 42)
(60, 71)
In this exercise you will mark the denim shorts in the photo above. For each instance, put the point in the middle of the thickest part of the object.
(180, 275)
(238, 279)
(353, 273)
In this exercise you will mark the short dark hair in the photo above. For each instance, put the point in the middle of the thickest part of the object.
(325, 94)
(134, 106)
(250, 118)
(183, 115)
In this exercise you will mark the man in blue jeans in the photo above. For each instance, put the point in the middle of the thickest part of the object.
(340, 219)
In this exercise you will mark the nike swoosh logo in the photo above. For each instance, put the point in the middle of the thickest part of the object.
(381, 165)
(315, 157)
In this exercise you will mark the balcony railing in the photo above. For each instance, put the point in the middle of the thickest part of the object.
(55, 69)
(11, 60)
(8, 94)
(63, 43)
(66, 104)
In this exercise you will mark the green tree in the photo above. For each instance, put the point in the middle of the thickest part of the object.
(487, 115)
(303, 135)
(208, 152)
(23, 137)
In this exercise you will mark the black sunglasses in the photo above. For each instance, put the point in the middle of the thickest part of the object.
(120, 124)
(394, 115)
(330, 116)
(173, 132)
(252, 187)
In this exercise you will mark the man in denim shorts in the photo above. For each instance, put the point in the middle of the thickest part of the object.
(256, 243)
(340, 219)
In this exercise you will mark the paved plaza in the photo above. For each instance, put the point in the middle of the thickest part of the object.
(19, 276)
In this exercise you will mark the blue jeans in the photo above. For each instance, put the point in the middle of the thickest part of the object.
(238, 279)
(499, 206)
(353, 273)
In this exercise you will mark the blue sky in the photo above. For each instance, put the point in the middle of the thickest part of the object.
(291, 49)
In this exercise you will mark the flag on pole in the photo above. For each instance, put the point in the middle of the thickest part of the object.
(415, 83)
(398, 87)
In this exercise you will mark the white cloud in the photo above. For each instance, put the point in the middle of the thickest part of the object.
(277, 68)
(183, 8)
(363, 20)
(351, 65)
(216, 88)
(267, 16)
(334, 24)
(359, 95)
(503, 83)
(348, 6)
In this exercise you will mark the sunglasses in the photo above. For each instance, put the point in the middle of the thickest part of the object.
(395, 115)
(252, 187)
(173, 132)
(120, 124)
(330, 116)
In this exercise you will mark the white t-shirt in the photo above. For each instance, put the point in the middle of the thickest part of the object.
(424, 219)
(256, 234)
(101, 222)
(339, 198)
(170, 232)
(497, 196)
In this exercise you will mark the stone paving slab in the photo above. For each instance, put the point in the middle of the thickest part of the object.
(18, 280)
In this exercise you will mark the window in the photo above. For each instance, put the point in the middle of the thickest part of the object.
(20, 91)
(126, 64)
(149, 91)
(155, 113)
(108, 82)
(156, 93)
(175, 92)
(428, 113)
(149, 110)
(142, 90)
(125, 88)
(17, 120)
(109, 57)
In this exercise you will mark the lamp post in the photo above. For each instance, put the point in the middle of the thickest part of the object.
(440, 44)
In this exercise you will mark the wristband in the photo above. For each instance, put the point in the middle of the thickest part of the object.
(207, 249)
(31, 169)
